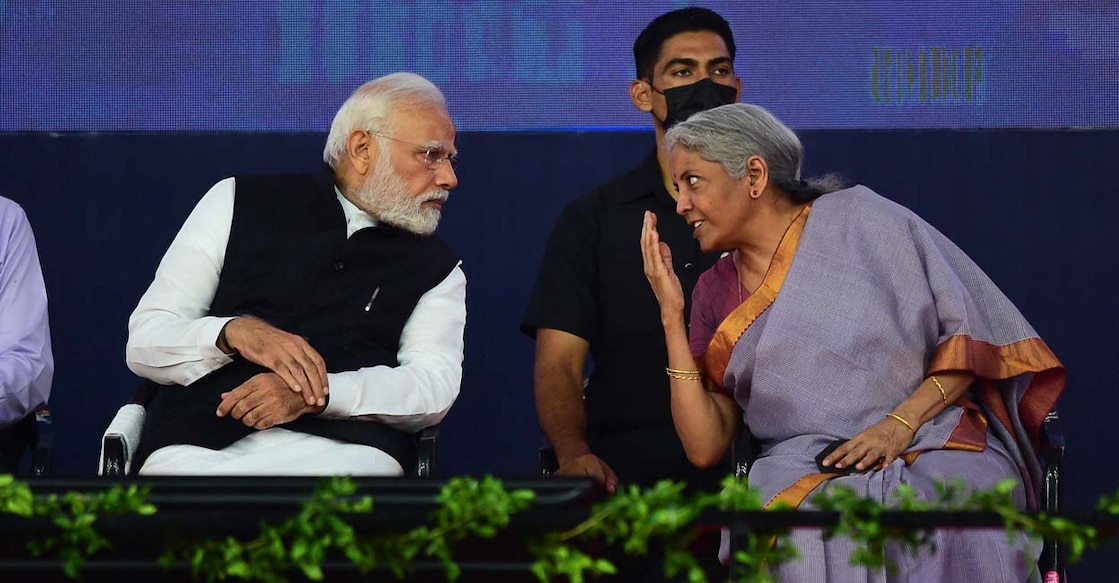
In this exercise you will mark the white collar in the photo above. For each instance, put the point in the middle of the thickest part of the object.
(356, 219)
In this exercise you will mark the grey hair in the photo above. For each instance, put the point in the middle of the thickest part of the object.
(729, 135)
(371, 107)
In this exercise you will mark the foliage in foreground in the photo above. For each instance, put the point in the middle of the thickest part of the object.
(661, 520)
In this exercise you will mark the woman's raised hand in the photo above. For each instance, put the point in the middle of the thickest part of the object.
(658, 268)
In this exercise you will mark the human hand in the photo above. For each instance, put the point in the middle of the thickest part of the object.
(263, 401)
(875, 447)
(299, 365)
(590, 465)
(658, 268)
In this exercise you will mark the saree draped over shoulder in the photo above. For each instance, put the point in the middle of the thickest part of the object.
(864, 300)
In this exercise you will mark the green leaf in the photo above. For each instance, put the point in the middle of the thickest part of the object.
(312, 571)
(239, 569)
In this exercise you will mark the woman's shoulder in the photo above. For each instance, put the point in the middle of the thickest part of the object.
(859, 205)
(862, 199)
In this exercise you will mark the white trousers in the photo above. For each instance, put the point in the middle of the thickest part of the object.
(273, 452)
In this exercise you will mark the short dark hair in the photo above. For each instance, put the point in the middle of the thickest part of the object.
(647, 47)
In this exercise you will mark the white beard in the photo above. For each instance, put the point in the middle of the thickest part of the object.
(385, 195)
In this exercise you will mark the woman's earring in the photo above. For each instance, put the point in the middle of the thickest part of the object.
(754, 193)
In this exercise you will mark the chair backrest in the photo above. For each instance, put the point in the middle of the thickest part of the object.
(744, 450)
(548, 462)
(1052, 454)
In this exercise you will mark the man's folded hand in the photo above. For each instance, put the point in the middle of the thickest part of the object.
(264, 401)
(300, 366)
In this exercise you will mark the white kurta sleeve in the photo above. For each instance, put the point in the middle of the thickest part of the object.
(170, 338)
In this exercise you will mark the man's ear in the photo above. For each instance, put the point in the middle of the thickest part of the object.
(640, 93)
(362, 150)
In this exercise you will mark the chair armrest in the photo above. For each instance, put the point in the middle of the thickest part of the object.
(426, 442)
(41, 455)
(121, 440)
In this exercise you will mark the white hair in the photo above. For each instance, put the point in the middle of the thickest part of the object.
(372, 106)
(729, 135)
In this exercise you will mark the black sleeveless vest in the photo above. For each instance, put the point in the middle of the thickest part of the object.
(289, 263)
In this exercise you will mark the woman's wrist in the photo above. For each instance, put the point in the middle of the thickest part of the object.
(672, 318)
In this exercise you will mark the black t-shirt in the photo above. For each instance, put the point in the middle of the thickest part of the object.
(592, 284)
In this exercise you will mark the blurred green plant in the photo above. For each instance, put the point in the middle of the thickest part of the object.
(74, 514)
(661, 520)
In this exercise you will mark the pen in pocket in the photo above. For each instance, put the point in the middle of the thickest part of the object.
(371, 298)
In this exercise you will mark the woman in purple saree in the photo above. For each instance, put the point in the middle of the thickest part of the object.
(842, 316)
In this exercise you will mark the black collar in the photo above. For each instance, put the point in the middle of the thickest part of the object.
(648, 182)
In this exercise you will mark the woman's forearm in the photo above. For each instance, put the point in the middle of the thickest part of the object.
(704, 420)
(935, 394)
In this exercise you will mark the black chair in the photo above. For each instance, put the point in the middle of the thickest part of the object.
(547, 461)
(33, 433)
(122, 439)
(41, 454)
(1051, 563)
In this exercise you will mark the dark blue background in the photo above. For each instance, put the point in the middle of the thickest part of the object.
(1034, 208)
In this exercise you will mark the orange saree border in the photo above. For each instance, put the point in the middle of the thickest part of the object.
(717, 356)
(994, 363)
(991, 361)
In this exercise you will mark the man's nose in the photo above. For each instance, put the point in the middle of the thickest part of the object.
(445, 176)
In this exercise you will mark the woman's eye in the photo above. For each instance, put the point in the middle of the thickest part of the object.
(693, 180)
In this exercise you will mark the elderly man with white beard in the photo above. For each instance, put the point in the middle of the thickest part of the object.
(305, 325)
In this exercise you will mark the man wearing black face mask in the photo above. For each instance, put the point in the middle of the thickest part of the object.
(684, 101)
(591, 294)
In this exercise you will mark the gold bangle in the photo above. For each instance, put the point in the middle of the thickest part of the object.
(684, 375)
(903, 421)
(943, 395)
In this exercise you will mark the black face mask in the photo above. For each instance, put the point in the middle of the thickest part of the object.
(688, 100)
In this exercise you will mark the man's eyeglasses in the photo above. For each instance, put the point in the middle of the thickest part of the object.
(433, 155)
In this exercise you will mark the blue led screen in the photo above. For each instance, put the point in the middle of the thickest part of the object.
(286, 65)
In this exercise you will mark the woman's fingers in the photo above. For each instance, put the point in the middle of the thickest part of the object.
(650, 247)
(664, 253)
(657, 262)
(865, 452)
(862, 451)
